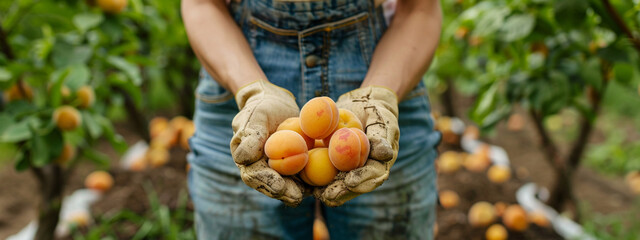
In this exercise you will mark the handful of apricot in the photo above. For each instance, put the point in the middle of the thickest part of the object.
(319, 143)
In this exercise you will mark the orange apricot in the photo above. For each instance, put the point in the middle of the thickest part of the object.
(499, 208)
(187, 132)
(449, 199)
(178, 123)
(348, 149)
(516, 122)
(25, 92)
(139, 164)
(319, 170)
(496, 232)
(112, 6)
(86, 95)
(515, 218)
(287, 152)
(319, 117)
(157, 156)
(499, 173)
(449, 162)
(347, 119)
(479, 160)
(293, 124)
(538, 218)
(68, 153)
(157, 125)
(99, 180)
(67, 118)
(320, 231)
(481, 214)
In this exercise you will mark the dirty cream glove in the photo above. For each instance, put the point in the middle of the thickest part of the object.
(263, 106)
(377, 108)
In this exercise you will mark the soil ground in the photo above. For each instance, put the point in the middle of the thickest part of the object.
(604, 194)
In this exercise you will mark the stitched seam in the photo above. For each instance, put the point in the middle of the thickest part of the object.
(325, 65)
(323, 27)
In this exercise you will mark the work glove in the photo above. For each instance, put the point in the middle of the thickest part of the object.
(263, 106)
(377, 109)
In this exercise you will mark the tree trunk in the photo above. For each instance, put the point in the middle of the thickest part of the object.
(447, 100)
(51, 182)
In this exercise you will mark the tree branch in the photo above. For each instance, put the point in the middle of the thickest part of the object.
(6, 49)
(616, 18)
(549, 146)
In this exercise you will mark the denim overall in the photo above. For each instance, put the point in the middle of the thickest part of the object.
(320, 48)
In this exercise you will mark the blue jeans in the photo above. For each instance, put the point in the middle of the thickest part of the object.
(311, 49)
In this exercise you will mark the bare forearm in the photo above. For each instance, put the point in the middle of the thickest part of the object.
(405, 51)
(219, 44)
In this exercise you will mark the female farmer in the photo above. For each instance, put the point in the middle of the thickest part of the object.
(262, 59)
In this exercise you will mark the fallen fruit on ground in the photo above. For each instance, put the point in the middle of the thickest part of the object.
(86, 96)
(515, 218)
(319, 117)
(157, 125)
(499, 173)
(187, 132)
(449, 162)
(348, 149)
(99, 180)
(499, 207)
(515, 122)
(157, 156)
(479, 160)
(449, 199)
(481, 214)
(287, 152)
(496, 232)
(67, 118)
(319, 170)
(538, 218)
(293, 124)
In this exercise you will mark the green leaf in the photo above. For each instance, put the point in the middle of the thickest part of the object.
(5, 122)
(5, 75)
(570, 13)
(616, 52)
(117, 142)
(86, 21)
(97, 157)
(22, 163)
(624, 72)
(78, 76)
(590, 72)
(490, 21)
(517, 27)
(55, 142)
(39, 150)
(92, 126)
(65, 54)
(16, 132)
(131, 70)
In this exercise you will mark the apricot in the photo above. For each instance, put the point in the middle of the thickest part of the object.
(496, 232)
(319, 117)
(633, 181)
(499, 173)
(481, 214)
(68, 153)
(319, 143)
(449, 162)
(67, 118)
(479, 160)
(187, 132)
(157, 156)
(445, 126)
(138, 164)
(461, 32)
(99, 180)
(167, 138)
(499, 208)
(449, 199)
(112, 6)
(287, 152)
(348, 149)
(538, 218)
(86, 96)
(178, 123)
(472, 132)
(347, 119)
(320, 231)
(25, 92)
(319, 170)
(65, 92)
(293, 124)
(515, 218)
(157, 125)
